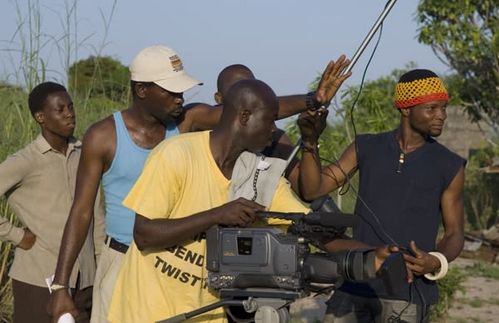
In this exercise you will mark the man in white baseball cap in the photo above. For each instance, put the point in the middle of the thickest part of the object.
(114, 153)
(162, 66)
(116, 148)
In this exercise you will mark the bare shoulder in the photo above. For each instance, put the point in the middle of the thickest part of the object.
(99, 140)
(198, 106)
(100, 130)
(195, 110)
(199, 116)
(456, 186)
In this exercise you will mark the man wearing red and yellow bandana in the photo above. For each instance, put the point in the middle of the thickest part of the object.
(408, 185)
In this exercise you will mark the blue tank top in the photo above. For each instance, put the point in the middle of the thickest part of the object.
(117, 181)
(406, 200)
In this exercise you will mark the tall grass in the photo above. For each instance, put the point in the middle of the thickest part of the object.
(27, 54)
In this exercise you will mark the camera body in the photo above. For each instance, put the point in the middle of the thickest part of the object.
(267, 257)
(257, 272)
(254, 257)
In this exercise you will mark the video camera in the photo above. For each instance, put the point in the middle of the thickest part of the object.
(264, 269)
(268, 257)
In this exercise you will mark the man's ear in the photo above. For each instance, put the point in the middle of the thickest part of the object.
(244, 117)
(39, 117)
(218, 97)
(140, 90)
(405, 112)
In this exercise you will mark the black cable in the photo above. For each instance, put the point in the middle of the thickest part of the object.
(423, 303)
(362, 81)
(342, 190)
(378, 222)
(398, 317)
(324, 290)
(361, 87)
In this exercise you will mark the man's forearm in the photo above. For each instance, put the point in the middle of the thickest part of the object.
(290, 105)
(164, 233)
(310, 173)
(75, 233)
(451, 245)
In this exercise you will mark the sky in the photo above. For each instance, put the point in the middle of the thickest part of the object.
(286, 43)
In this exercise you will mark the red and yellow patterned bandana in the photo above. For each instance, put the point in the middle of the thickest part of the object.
(419, 86)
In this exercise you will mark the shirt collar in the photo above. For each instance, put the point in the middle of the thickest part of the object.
(44, 146)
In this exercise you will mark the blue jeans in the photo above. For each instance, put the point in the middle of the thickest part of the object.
(347, 308)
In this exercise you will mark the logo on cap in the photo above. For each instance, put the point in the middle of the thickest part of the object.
(176, 63)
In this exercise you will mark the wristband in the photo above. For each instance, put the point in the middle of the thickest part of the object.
(311, 103)
(55, 287)
(310, 148)
(444, 267)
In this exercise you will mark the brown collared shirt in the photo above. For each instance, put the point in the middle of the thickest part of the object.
(39, 184)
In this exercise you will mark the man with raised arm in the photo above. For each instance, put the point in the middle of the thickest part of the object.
(408, 185)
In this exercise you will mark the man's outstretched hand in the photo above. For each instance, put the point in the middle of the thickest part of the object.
(331, 80)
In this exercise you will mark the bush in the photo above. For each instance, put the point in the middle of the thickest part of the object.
(447, 286)
(481, 190)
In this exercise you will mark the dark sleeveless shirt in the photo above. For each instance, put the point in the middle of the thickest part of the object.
(407, 203)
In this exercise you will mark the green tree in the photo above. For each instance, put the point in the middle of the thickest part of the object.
(481, 189)
(99, 76)
(463, 34)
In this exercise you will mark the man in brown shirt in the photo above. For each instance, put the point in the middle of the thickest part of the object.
(39, 184)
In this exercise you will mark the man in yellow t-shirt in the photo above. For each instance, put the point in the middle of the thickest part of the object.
(181, 193)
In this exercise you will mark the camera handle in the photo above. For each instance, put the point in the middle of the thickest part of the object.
(185, 316)
(269, 305)
(267, 310)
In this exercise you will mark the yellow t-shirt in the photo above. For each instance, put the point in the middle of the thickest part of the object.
(180, 178)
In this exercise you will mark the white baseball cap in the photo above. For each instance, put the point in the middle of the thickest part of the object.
(161, 65)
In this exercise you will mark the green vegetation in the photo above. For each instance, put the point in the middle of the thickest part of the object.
(453, 283)
(481, 189)
(29, 68)
(483, 270)
(99, 77)
(463, 34)
(448, 287)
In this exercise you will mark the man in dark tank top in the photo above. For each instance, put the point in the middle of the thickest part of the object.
(408, 185)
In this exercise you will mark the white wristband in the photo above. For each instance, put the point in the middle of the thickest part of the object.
(444, 267)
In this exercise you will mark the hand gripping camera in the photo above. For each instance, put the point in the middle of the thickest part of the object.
(257, 272)
(267, 257)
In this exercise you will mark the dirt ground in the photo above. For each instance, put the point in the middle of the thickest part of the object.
(479, 302)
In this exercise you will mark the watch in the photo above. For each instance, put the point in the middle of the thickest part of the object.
(55, 287)
(310, 101)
